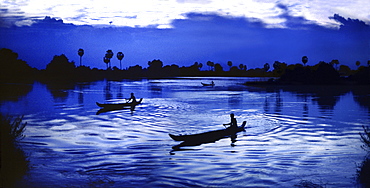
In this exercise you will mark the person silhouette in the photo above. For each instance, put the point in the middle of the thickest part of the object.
(132, 98)
(233, 124)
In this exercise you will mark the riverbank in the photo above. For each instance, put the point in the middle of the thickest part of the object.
(60, 69)
(14, 162)
(325, 74)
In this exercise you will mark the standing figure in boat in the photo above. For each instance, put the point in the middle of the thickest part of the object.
(233, 124)
(132, 98)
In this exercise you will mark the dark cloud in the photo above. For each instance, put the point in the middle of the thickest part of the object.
(9, 18)
(200, 37)
(49, 22)
(294, 22)
(350, 24)
(6, 20)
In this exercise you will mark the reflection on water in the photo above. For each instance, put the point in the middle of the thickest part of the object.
(107, 91)
(361, 96)
(292, 134)
(120, 93)
(13, 91)
(60, 91)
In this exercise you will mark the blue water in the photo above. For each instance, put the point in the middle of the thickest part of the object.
(293, 134)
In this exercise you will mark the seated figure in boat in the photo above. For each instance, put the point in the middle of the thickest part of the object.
(132, 98)
(233, 124)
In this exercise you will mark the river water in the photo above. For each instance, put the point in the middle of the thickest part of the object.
(294, 134)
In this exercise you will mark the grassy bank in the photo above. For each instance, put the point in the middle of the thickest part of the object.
(363, 171)
(14, 162)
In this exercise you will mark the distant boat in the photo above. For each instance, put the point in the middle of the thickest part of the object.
(209, 136)
(211, 84)
(119, 105)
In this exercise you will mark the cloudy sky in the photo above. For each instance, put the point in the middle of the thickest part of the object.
(182, 32)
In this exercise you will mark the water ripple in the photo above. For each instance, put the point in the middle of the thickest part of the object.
(288, 138)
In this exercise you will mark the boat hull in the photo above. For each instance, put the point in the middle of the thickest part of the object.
(207, 84)
(208, 136)
(119, 105)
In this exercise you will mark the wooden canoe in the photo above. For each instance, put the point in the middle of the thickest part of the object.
(119, 105)
(204, 84)
(208, 136)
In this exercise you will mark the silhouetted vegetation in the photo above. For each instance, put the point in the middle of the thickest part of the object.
(81, 52)
(361, 76)
(120, 56)
(108, 55)
(14, 162)
(14, 91)
(60, 66)
(365, 138)
(363, 171)
(324, 73)
(60, 69)
(319, 74)
(360, 95)
(13, 69)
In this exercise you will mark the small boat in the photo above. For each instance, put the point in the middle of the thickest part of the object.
(208, 136)
(119, 105)
(211, 84)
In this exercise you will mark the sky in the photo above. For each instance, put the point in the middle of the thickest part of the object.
(182, 32)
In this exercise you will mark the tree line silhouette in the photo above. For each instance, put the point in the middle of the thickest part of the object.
(60, 68)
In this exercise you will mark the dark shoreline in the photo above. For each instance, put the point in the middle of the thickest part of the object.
(61, 70)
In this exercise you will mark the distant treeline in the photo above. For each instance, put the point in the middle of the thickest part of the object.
(60, 68)
(320, 74)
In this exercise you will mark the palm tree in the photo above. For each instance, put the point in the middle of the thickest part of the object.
(213, 65)
(120, 56)
(266, 67)
(335, 62)
(241, 66)
(210, 64)
(109, 55)
(304, 60)
(81, 53)
(277, 65)
(358, 63)
(230, 64)
(106, 61)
